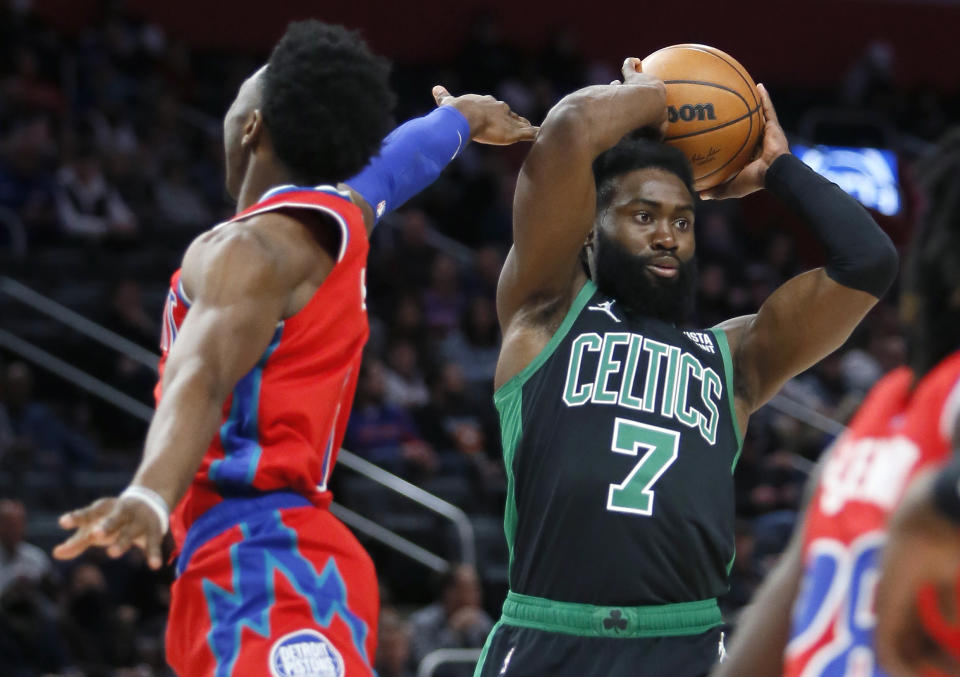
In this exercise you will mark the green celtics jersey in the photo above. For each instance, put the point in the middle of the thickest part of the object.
(620, 440)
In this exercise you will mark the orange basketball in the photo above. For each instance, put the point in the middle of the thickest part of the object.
(714, 112)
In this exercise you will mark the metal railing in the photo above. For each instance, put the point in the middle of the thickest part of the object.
(806, 414)
(79, 378)
(47, 306)
(137, 409)
(429, 501)
(435, 659)
(389, 538)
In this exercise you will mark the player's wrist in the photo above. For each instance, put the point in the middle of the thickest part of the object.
(157, 504)
(782, 168)
(474, 116)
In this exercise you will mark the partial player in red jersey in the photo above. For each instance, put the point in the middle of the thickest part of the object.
(817, 613)
(263, 332)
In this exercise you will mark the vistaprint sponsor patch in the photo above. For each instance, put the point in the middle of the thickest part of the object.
(702, 339)
(305, 653)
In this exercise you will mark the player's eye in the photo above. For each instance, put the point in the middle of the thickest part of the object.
(682, 224)
(643, 217)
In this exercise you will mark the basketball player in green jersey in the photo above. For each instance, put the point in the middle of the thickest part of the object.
(621, 432)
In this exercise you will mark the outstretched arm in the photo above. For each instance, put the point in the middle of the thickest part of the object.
(555, 200)
(241, 289)
(415, 153)
(811, 315)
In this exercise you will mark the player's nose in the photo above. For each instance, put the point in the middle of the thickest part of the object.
(663, 236)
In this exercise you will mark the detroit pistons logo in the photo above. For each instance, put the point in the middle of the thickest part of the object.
(305, 653)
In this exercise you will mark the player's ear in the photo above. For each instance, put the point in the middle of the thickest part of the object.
(252, 129)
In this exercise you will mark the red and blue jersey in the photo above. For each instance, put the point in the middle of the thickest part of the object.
(900, 430)
(283, 423)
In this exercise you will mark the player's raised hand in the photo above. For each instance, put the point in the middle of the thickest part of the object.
(115, 524)
(918, 594)
(491, 121)
(751, 177)
(632, 71)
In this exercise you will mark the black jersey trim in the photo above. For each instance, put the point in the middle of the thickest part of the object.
(585, 294)
(721, 337)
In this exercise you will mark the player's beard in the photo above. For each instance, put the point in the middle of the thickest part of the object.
(624, 277)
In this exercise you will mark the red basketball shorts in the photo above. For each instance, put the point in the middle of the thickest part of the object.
(272, 586)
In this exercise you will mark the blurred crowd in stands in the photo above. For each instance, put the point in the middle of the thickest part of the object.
(111, 161)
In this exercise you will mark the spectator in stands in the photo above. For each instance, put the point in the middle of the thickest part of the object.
(28, 89)
(415, 255)
(452, 405)
(442, 300)
(26, 183)
(405, 385)
(407, 325)
(456, 621)
(89, 620)
(771, 534)
(404, 254)
(87, 204)
(128, 317)
(744, 576)
(487, 262)
(40, 439)
(862, 367)
(385, 433)
(20, 562)
(393, 645)
(179, 203)
(780, 484)
(30, 643)
(475, 345)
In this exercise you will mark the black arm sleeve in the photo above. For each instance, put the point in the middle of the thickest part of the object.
(860, 255)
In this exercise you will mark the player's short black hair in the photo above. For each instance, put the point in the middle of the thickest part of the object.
(931, 285)
(327, 102)
(640, 149)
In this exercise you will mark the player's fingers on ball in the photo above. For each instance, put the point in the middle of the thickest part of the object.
(440, 94)
(631, 65)
(769, 111)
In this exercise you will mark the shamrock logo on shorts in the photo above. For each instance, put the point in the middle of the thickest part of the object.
(615, 621)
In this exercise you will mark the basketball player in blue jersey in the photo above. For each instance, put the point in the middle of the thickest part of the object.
(620, 430)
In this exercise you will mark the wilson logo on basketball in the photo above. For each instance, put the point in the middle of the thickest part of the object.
(690, 112)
